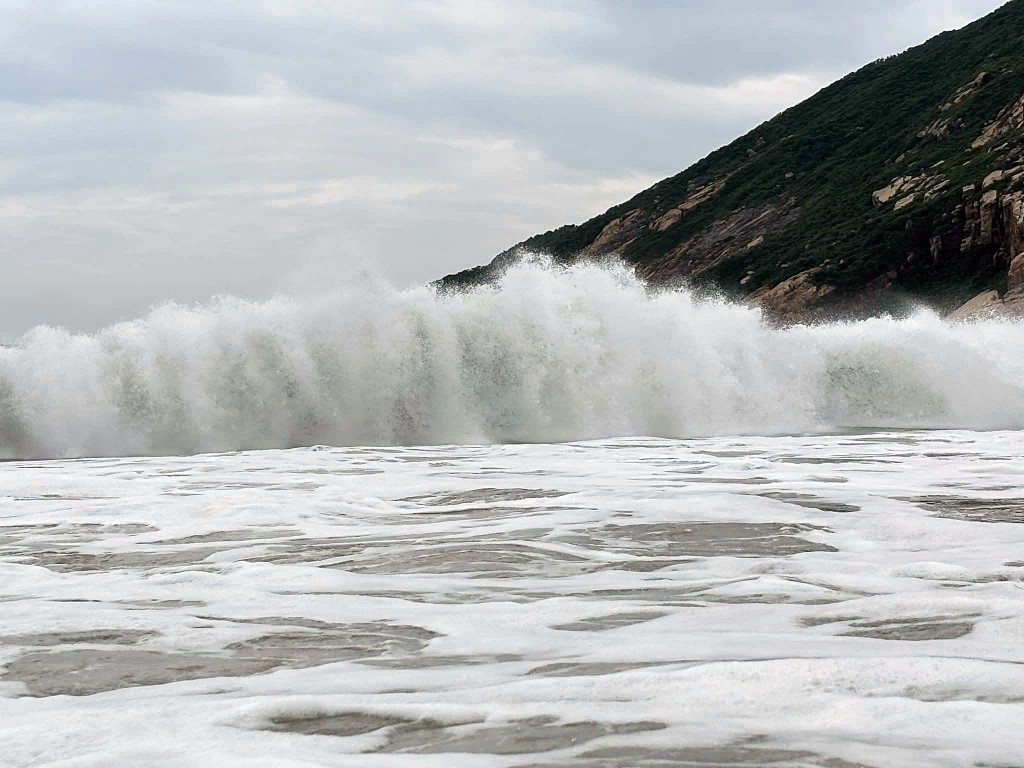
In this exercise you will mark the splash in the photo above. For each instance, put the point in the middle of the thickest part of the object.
(547, 355)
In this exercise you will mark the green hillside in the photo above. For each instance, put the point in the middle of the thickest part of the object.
(804, 195)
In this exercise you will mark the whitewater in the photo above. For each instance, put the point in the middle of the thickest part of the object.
(562, 521)
(547, 355)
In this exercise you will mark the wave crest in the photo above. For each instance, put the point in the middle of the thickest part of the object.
(547, 355)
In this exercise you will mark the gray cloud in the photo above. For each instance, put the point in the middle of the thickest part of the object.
(160, 150)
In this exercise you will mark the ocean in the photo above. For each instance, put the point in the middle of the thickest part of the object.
(561, 522)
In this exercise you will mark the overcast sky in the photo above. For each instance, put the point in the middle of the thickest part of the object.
(156, 150)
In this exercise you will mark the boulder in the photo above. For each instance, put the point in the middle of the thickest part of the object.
(991, 179)
(671, 217)
(1013, 222)
(1015, 276)
(987, 213)
(616, 235)
(887, 193)
(1011, 118)
(793, 297)
(903, 202)
(984, 304)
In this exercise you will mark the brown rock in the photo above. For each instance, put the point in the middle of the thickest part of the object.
(1010, 118)
(1015, 276)
(984, 304)
(909, 187)
(721, 239)
(966, 90)
(1013, 222)
(987, 213)
(616, 235)
(671, 217)
(991, 179)
(887, 193)
(903, 202)
(1013, 305)
(794, 297)
(936, 189)
(940, 128)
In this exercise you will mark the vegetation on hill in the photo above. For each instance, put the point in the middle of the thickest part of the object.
(873, 185)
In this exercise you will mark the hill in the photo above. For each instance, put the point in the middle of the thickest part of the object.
(902, 181)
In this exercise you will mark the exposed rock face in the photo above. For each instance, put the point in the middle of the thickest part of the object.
(1013, 223)
(991, 179)
(888, 192)
(669, 219)
(1008, 120)
(987, 212)
(793, 298)
(1003, 218)
(746, 228)
(986, 303)
(988, 229)
(700, 195)
(1015, 275)
(991, 304)
(908, 188)
(942, 127)
(903, 202)
(967, 90)
(616, 236)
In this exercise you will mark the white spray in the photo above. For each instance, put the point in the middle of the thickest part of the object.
(548, 355)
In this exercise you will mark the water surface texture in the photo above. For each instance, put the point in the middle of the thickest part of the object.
(833, 601)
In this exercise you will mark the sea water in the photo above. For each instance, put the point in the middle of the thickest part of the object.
(818, 562)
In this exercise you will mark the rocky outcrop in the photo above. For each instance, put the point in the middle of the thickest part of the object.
(989, 304)
(888, 192)
(909, 189)
(988, 229)
(1015, 275)
(992, 178)
(616, 236)
(967, 90)
(985, 304)
(743, 229)
(943, 126)
(1010, 119)
(701, 194)
(1013, 223)
(795, 298)
(987, 211)
(1007, 219)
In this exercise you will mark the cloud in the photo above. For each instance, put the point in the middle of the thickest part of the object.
(165, 149)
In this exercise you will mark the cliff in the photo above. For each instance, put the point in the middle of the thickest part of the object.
(902, 182)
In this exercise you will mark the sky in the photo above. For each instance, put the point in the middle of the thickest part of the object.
(161, 150)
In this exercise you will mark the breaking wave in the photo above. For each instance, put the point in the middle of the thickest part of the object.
(548, 355)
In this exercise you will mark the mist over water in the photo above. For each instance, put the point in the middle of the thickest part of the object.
(549, 355)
